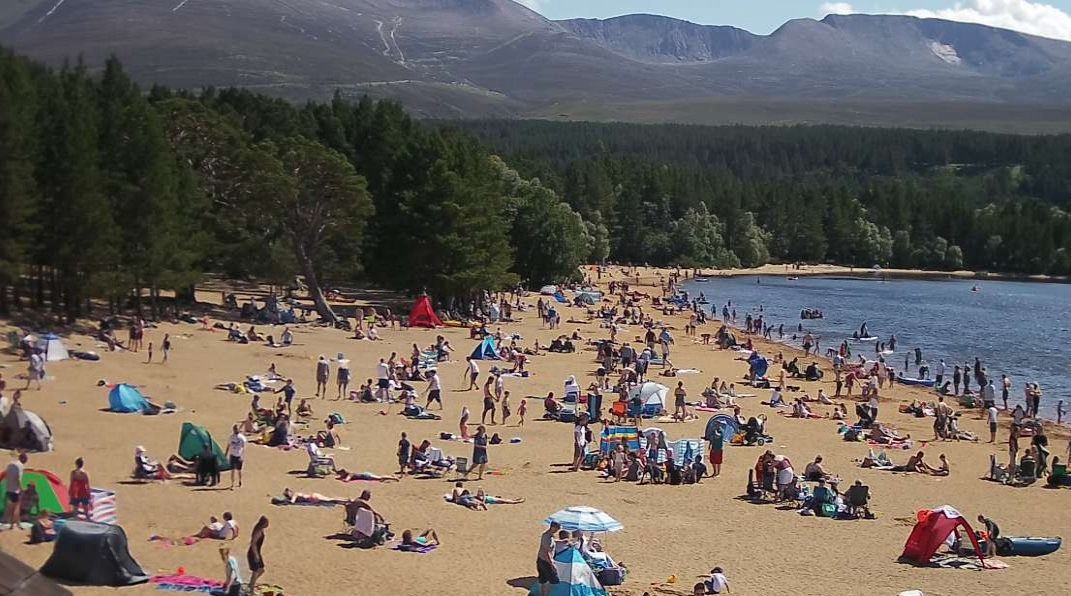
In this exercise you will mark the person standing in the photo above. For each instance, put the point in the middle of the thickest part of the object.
(957, 376)
(479, 452)
(78, 490)
(939, 373)
(434, 389)
(1005, 388)
(404, 448)
(989, 395)
(717, 450)
(343, 377)
(488, 401)
(506, 409)
(546, 572)
(680, 402)
(166, 346)
(966, 378)
(13, 490)
(236, 454)
(254, 556)
(383, 381)
(580, 442)
(288, 392)
(992, 417)
(323, 373)
(472, 372)
(665, 339)
(36, 369)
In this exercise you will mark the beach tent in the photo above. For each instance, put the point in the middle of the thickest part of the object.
(16, 422)
(561, 297)
(933, 529)
(125, 399)
(423, 315)
(53, 347)
(729, 427)
(652, 396)
(19, 579)
(93, 554)
(575, 577)
(192, 441)
(585, 299)
(548, 290)
(685, 450)
(51, 492)
(612, 436)
(486, 350)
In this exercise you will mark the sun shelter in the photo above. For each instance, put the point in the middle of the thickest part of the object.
(685, 450)
(192, 441)
(934, 527)
(548, 290)
(93, 554)
(54, 348)
(423, 315)
(560, 297)
(612, 436)
(23, 429)
(758, 366)
(729, 427)
(585, 519)
(652, 396)
(51, 492)
(126, 399)
(575, 577)
(486, 350)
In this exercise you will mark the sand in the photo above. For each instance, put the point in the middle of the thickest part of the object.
(681, 531)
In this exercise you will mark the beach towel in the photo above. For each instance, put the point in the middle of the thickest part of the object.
(185, 583)
(418, 549)
(281, 502)
(166, 542)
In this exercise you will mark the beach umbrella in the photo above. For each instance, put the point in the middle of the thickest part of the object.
(585, 519)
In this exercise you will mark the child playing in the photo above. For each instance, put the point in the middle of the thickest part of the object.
(149, 361)
(403, 454)
(521, 411)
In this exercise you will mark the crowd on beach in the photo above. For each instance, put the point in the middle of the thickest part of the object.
(413, 386)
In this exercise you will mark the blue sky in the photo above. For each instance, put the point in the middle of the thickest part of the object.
(1050, 18)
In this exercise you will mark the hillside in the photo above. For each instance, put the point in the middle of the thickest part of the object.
(469, 58)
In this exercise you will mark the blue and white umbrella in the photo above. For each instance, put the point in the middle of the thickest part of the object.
(585, 519)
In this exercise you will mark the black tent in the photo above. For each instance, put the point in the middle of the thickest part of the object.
(93, 554)
(19, 579)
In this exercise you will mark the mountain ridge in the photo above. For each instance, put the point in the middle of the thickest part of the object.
(472, 58)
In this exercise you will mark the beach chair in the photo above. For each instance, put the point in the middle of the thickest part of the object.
(319, 465)
(858, 499)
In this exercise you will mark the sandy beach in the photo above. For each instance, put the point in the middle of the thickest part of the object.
(680, 531)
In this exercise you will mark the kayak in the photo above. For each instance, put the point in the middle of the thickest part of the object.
(865, 338)
(1027, 546)
(916, 382)
(701, 280)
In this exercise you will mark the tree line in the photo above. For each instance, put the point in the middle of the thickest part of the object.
(696, 195)
(111, 192)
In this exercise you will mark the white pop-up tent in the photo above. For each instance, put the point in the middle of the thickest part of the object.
(53, 347)
(652, 396)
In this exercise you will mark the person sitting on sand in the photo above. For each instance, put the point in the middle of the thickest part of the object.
(252, 334)
(292, 498)
(304, 410)
(217, 530)
(915, 463)
(43, 529)
(421, 541)
(287, 337)
(345, 476)
(329, 438)
(840, 412)
(776, 400)
(942, 470)
(880, 433)
(461, 496)
(487, 499)
(146, 467)
(815, 471)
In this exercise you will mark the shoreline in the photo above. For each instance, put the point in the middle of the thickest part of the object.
(827, 270)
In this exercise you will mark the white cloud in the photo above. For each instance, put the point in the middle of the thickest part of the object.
(836, 8)
(1034, 18)
(535, 5)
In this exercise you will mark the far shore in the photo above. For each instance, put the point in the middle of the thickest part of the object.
(826, 270)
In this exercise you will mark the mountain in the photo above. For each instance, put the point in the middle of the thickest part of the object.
(466, 58)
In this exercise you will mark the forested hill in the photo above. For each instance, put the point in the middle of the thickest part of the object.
(851, 195)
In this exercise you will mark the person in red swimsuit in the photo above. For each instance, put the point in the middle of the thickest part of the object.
(78, 488)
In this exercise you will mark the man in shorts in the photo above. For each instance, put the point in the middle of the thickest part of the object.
(545, 570)
(473, 372)
(435, 389)
(383, 381)
(13, 489)
(236, 454)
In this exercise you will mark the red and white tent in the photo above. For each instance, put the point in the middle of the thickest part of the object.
(932, 530)
(423, 315)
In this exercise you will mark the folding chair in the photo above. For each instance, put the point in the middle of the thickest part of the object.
(461, 467)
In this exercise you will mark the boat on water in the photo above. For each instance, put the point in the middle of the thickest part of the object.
(702, 280)
(793, 278)
(811, 313)
(861, 339)
(915, 382)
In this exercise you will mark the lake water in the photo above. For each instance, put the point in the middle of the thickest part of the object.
(1017, 328)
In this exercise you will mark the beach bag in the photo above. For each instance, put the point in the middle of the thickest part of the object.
(827, 510)
(611, 576)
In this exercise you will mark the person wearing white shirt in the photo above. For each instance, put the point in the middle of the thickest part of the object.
(435, 389)
(236, 454)
(992, 417)
(383, 381)
(717, 584)
(472, 371)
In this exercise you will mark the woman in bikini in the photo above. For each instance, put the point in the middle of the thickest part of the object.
(423, 540)
(487, 499)
(345, 476)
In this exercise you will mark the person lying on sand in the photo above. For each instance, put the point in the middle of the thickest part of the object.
(487, 499)
(217, 530)
(421, 541)
(461, 496)
(345, 476)
(292, 498)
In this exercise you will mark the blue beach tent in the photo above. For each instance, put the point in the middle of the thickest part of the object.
(486, 350)
(126, 399)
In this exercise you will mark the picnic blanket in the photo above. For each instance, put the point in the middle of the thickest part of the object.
(185, 583)
(420, 550)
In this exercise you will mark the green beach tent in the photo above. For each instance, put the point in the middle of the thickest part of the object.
(52, 493)
(192, 441)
